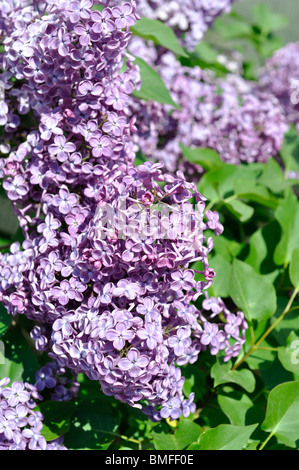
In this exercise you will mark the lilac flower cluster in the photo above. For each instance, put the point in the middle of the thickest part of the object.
(62, 62)
(230, 115)
(115, 303)
(280, 76)
(189, 18)
(20, 423)
(120, 310)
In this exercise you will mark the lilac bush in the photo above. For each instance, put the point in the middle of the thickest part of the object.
(116, 304)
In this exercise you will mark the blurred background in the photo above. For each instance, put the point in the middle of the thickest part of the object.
(290, 8)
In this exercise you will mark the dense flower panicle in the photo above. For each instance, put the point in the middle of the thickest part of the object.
(71, 69)
(116, 304)
(105, 270)
(20, 424)
(232, 116)
(280, 76)
(190, 19)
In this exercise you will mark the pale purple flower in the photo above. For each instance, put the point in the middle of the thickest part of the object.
(64, 293)
(125, 288)
(80, 9)
(172, 409)
(151, 334)
(183, 279)
(16, 394)
(61, 148)
(65, 201)
(7, 427)
(103, 22)
(114, 124)
(49, 126)
(133, 363)
(123, 15)
(101, 146)
(210, 335)
(213, 304)
(188, 406)
(120, 335)
(50, 225)
(16, 188)
(36, 440)
(180, 342)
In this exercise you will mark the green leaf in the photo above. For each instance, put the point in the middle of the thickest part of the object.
(290, 151)
(98, 7)
(93, 426)
(216, 184)
(224, 437)
(282, 415)
(206, 52)
(294, 268)
(251, 292)
(289, 355)
(140, 159)
(207, 158)
(228, 249)
(8, 221)
(240, 210)
(257, 250)
(5, 320)
(57, 418)
(153, 88)
(222, 374)
(4, 242)
(159, 33)
(20, 361)
(273, 177)
(234, 408)
(287, 215)
(268, 20)
(252, 191)
(233, 28)
(222, 268)
(186, 432)
(261, 359)
(195, 381)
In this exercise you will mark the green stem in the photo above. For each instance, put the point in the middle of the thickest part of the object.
(266, 441)
(254, 347)
(211, 204)
(125, 438)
